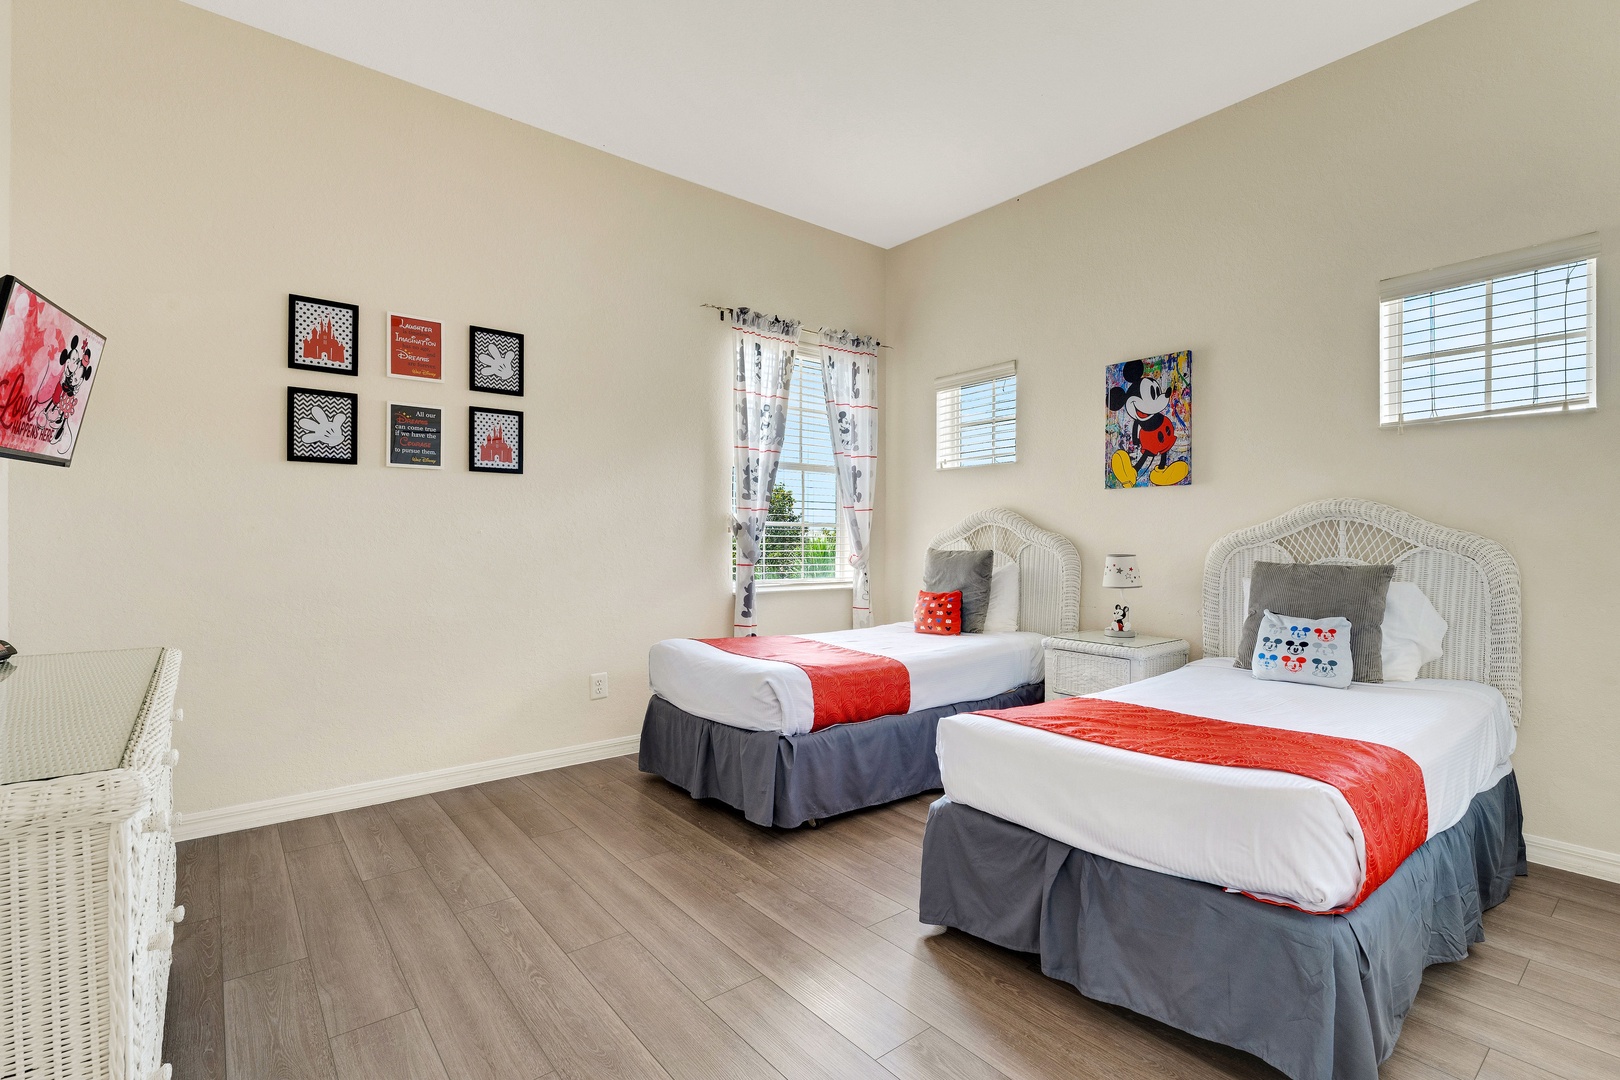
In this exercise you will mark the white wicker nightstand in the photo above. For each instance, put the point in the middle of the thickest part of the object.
(86, 862)
(1089, 662)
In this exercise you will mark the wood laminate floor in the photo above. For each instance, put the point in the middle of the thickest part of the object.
(593, 922)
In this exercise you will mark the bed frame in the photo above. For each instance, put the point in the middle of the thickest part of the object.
(1321, 997)
(1473, 582)
(790, 780)
(1048, 566)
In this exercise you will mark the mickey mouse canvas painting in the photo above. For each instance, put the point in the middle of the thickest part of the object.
(1148, 431)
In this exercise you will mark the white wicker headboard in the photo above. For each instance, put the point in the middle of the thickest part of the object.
(1472, 581)
(1048, 566)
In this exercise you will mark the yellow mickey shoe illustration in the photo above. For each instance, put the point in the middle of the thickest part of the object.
(1124, 471)
(1173, 473)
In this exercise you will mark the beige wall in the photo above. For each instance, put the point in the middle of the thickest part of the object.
(176, 176)
(1257, 238)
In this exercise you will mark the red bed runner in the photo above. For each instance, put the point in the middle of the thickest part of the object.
(848, 685)
(1383, 786)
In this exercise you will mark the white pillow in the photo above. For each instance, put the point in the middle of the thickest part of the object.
(1413, 631)
(1312, 651)
(1001, 616)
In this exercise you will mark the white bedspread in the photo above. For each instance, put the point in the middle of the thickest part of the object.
(1269, 833)
(769, 695)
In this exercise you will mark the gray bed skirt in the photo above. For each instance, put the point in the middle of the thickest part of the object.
(1321, 997)
(786, 780)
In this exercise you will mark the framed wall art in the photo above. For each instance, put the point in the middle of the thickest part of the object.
(415, 347)
(495, 440)
(1147, 430)
(323, 335)
(321, 426)
(497, 360)
(415, 436)
(48, 363)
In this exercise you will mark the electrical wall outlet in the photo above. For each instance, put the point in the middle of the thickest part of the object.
(599, 685)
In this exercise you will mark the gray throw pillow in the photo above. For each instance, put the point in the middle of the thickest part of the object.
(967, 572)
(1322, 591)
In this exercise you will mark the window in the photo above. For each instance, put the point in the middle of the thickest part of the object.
(977, 417)
(802, 532)
(1507, 335)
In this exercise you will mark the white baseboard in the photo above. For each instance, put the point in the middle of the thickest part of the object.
(1572, 857)
(291, 807)
(1591, 862)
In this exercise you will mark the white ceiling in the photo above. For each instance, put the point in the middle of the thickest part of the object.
(881, 119)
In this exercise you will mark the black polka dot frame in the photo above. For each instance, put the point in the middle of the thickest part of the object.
(321, 426)
(496, 360)
(495, 438)
(323, 335)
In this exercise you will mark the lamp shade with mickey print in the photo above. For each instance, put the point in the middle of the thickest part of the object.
(1121, 572)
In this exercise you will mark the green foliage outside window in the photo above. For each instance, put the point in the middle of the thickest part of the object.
(793, 550)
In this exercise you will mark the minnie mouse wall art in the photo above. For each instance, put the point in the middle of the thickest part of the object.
(48, 361)
(1148, 433)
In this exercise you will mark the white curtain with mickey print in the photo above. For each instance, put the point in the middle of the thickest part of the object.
(847, 370)
(764, 349)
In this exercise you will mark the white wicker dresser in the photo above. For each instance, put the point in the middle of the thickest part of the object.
(86, 863)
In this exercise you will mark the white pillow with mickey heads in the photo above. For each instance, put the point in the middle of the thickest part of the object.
(1311, 651)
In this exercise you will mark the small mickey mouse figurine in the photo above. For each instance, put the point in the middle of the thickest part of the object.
(1143, 402)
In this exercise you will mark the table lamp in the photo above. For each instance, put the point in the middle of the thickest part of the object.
(1121, 572)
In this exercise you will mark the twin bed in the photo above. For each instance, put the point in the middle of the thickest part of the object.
(742, 729)
(1247, 905)
(1277, 835)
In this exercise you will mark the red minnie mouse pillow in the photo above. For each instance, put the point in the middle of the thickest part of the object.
(938, 613)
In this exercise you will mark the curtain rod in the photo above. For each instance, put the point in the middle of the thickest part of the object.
(723, 308)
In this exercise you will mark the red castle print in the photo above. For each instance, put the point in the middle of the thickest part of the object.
(322, 344)
(495, 448)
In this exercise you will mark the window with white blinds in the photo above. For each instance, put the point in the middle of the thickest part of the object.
(977, 417)
(1508, 335)
(803, 541)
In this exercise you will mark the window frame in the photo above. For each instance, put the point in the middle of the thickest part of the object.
(1395, 293)
(808, 352)
(951, 457)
